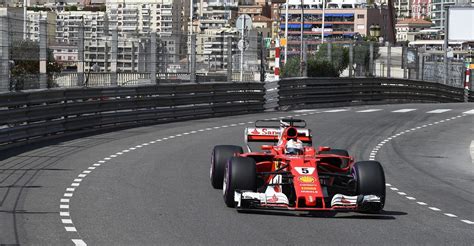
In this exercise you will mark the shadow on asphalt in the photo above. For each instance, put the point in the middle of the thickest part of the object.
(384, 215)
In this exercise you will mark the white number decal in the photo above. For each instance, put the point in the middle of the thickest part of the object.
(305, 170)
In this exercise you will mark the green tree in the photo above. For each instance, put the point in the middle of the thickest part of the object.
(25, 69)
(291, 68)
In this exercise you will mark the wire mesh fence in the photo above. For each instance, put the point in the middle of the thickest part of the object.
(72, 50)
(46, 51)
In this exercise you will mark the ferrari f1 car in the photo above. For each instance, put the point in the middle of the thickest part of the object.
(290, 174)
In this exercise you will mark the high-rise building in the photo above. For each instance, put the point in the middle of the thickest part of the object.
(33, 25)
(140, 17)
(438, 11)
(68, 25)
(421, 9)
(403, 8)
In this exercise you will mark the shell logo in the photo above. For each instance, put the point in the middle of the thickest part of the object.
(306, 179)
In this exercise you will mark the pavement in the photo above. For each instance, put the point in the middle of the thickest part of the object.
(150, 185)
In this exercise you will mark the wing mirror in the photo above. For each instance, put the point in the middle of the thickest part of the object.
(323, 148)
(267, 147)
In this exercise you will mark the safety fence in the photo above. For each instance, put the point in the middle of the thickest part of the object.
(305, 92)
(30, 116)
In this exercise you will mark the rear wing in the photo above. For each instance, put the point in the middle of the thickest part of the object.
(264, 134)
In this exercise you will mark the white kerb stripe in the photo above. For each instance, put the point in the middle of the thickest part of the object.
(468, 222)
(438, 111)
(405, 110)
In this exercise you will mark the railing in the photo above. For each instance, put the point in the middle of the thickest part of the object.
(305, 92)
(30, 116)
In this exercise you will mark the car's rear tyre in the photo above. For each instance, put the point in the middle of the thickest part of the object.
(240, 174)
(220, 156)
(340, 163)
(370, 180)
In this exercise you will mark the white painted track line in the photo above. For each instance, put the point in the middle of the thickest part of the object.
(438, 111)
(405, 110)
(469, 112)
(335, 110)
(78, 242)
(369, 110)
(472, 151)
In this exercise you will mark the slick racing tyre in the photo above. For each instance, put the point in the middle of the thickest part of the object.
(370, 180)
(337, 162)
(220, 155)
(240, 174)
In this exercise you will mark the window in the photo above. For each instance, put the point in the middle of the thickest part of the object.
(360, 16)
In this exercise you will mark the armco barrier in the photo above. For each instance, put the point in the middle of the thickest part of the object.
(312, 92)
(36, 115)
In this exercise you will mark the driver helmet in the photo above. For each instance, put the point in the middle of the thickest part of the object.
(294, 147)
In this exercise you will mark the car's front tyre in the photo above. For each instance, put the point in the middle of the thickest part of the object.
(240, 174)
(370, 180)
(219, 158)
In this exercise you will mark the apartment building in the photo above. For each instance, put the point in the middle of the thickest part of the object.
(408, 29)
(216, 22)
(403, 8)
(342, 22)
(168, 18)
(33, 25)
(438, 12)
(68, 26)
(421, 9)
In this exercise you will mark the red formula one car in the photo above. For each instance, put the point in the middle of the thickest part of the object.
(290, 174)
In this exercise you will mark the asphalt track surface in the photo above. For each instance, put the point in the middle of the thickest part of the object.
(160, 194)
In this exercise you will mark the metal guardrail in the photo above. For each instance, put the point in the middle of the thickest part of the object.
(305, 92)
(29, 116)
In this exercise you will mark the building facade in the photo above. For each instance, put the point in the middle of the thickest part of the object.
(340, 23)
(33, 25)
(68, 25)
(438, 12)
(168, 18)
(409, 29)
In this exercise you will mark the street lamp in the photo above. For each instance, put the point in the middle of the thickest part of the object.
(374, 30)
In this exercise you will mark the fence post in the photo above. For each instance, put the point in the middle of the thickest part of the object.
(371, 59)
(193, 59)
(229, 59)
(329, 51)
(404, 61)
(43, 59)
(113, 56)
(153, 53)
(389, 59)
(419, 75)
(351, 59)
(80, 55)
(4, 55)
(305, 59)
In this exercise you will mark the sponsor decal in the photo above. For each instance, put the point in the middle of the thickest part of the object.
(255, 131)
(306, 179)
(263, 131)
(309, 188)
(309, 191)
(273, 199)
(266, 131)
